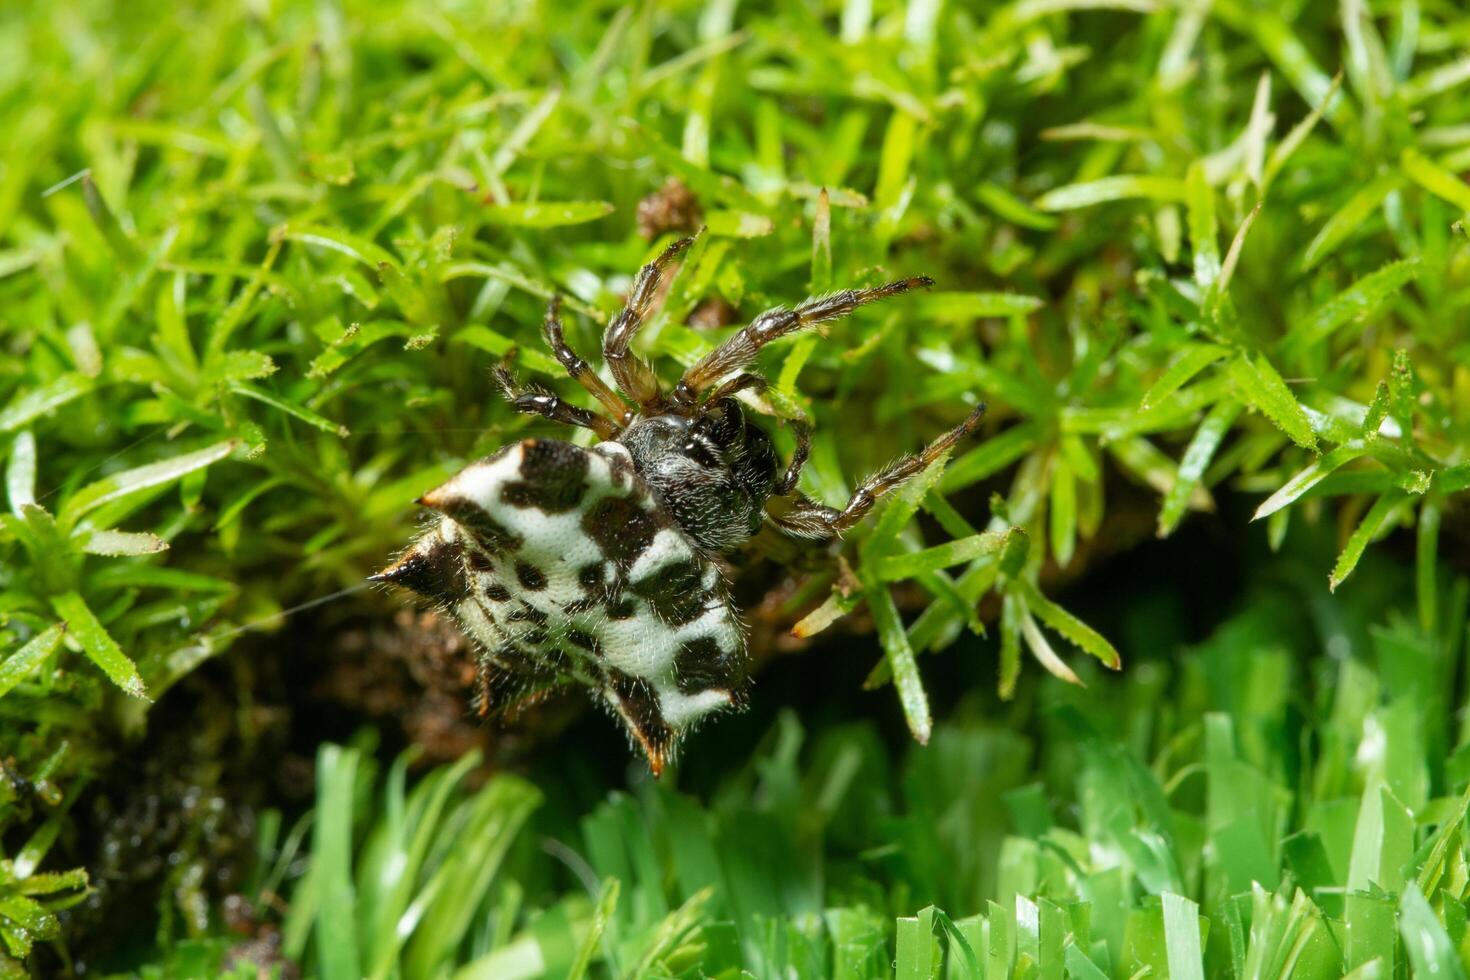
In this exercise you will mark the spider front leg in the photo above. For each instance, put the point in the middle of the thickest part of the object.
(534, 400)
(737, 384)
(809, 519)
(799, 455)
(579, 370)
(633, 374)
(742, 348)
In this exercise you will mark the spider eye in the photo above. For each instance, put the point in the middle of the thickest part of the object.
(699, 450)
(722, 422)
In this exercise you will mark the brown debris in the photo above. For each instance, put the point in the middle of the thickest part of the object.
(712, 314)
(260, 946)
(264, 953)
(673, 207)
(418, 672)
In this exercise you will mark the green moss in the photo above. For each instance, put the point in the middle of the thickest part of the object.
(256, 261)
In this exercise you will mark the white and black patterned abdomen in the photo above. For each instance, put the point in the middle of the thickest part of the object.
(559, 559)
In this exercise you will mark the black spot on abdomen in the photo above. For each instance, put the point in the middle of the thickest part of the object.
(590, 576)
(528, 613)
(553, 477)
(621, 528)
(584, 640)
(701, 664)
(676, 593)
(530, 577)
(489, 533)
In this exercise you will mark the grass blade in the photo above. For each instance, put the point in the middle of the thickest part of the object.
(123, 543)
(1144, 460)
(336, 919)
(335, 240)
(1425, 939)
(1383, 508)
(1435, 179)
(961, 951)
(1260, 385)
(1013, 209)
(1232, 257)
(1079, 965)
(607, 904)
(1300, 132)
(1062, 511)
(491, 821)
(304, 414)
(1119, 188)
(990, 457)
(1069, 626)
(1190, 362)
(1182, 938)
(901, 508)
(893, 568)
(24, 662)
(98, 644)
(39, 401)
(1042, 650)
(1203, 227)
(118, 485)
(1197, 456)
(557, 214)
(916, 953)
(895, 642)
(1348, 219)
(964, 307)
(1436, 80)
(20, 472)
(821, 277)
(1426, 565)
(1352, 304)
(1314, 473)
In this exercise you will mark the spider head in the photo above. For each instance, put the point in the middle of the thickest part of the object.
(713, 468)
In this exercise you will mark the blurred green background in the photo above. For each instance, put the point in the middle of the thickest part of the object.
(1204, 259)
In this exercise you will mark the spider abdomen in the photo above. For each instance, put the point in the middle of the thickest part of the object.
(560, 560)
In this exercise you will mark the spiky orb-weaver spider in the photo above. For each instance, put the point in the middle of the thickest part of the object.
(603, 563)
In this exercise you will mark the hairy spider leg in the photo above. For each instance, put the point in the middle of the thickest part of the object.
(579, 370)
(803, 432)
(809, 519)
(742, 348)
(741, 382)
(634, 375)
(535, 400)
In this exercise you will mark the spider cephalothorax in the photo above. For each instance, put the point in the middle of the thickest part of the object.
(600, 564)
(714, 471)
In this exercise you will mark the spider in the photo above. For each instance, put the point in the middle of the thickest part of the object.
(603, 563)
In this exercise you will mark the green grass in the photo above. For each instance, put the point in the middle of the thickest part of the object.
(256, 260)
(1249, 808)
